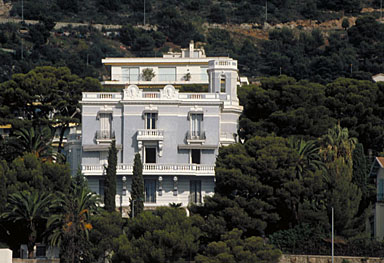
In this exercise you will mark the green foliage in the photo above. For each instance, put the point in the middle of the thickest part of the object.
(69, 225)
(258, 189)
(148, 74)
(302, 238)
(163, 235)
(137, 195)
(232, 248)
(29, 209)
(110, 179)
(106, 227)
(30, 173)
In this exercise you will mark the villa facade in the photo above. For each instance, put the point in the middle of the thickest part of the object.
(178, 134)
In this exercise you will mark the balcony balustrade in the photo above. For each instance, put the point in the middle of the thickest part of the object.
(195, 136)
(104, 135)
(155, 169)
(150, 134)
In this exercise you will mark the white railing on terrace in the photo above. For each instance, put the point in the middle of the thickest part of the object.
(150, 132)
(102, 95)
(154, 168)
(89, 96)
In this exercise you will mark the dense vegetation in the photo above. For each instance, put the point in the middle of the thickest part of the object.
(308, 134)
(243, 11)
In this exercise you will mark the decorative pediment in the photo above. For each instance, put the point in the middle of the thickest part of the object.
(132, 92)
(169, 92)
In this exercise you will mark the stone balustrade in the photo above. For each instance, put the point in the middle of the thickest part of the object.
(154, 169)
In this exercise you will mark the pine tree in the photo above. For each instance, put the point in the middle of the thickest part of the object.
(110, 179)
(137, 197)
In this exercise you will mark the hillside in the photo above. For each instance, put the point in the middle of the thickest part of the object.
(78, 34)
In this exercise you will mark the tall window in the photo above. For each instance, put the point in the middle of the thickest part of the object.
(105, 126)
(222, 84)
(150, 120)
(150, 154)
(129, 74)
(167, 74)
(195, 156)
(150, 190)
(195, 192)
(196, 125)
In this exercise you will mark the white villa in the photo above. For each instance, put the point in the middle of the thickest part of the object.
(177, 134)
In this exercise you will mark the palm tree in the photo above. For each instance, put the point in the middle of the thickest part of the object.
(337, 144)
(69, 227)
(309, 158)
(29, 208)
(34, 140)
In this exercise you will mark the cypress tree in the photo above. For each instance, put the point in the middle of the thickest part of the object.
(137, 197)
(110, 179)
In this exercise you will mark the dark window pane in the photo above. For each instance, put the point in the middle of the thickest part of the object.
(196, 156)
(150, 155)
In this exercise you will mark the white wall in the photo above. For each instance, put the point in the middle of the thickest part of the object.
(5, 255)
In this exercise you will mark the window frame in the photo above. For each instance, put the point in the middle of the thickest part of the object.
(195, 195)
(152, 195)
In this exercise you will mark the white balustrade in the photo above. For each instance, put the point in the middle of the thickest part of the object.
(150, 132)
(154, 169)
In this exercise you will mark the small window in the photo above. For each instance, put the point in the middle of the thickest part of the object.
(150, 121)
(150, 190)
(195, 156)
(150, 154)
(195, 192)
(196, 125)
(222, 84)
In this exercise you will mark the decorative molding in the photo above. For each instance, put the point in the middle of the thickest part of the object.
(132, 92)
(169, 92)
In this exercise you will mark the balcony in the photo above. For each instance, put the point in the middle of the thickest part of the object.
(104, 136)
(150, 135)
(195, 137)
(155, 169)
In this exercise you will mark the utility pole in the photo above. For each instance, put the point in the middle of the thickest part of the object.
(333, 241)
(144, 13)
(381, 10)
(266, 11)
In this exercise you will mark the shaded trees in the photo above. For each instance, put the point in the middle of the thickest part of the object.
(163, 235)
(233, 248)
(69, 225)
(29, 208)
